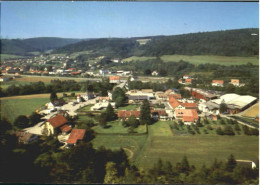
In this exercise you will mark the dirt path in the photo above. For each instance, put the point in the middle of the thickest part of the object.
(131, 153)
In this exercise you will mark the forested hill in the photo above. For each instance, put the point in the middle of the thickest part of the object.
(41, 44)
(240, 42)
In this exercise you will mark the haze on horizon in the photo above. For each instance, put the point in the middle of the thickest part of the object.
(122, 19)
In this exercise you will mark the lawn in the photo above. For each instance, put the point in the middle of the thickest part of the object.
(129, 107)
(11, 108)
(115, 127)
(85, 109)
(46, 79)
(202, 59)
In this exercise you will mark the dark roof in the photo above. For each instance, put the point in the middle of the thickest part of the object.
(58, 102)
(135, 97)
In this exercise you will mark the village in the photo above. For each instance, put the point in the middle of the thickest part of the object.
(164, 106)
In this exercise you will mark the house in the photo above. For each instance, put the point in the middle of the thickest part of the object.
(175, 104)
(58, 102)
(25, 137)
(101, 105)
(159, 115)
(161, 96)
(155, 73)
(218, 83)
(137, 98)
(55, 125)
(133, 78)
(187, 116)
(203, 93)
(188, 81)
(3, 79)
(186, 77)
(235, 82)
(209, 107)
(114, 79)
(75, 136)
(87, 96)
(103, 99)
(180, 81)
(125, 114)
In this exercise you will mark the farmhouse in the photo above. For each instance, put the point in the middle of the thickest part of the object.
(209, 107)
(188, 116)
(55, 125)
(75, 136)
(218, 83)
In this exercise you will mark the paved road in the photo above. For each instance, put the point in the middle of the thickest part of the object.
(71, 111)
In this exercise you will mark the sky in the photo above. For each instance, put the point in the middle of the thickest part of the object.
(74, 19)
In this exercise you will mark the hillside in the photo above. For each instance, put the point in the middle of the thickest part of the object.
(41, 44)
(238, 42)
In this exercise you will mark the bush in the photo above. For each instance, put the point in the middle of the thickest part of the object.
(125, 123)
(209, 127)
(219, 131)
(229, 131)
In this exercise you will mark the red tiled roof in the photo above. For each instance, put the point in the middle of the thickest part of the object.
(173, 102)
(75, 135)
(128, 113)
(189, 105)
(187, 114)
(57, 121)
(104, 98)
(188, 80)
(234, 81)
(218, 81)
(114, 78)
(65, 128)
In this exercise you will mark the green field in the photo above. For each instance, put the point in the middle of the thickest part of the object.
(129, 107)
(12, 108)
(161, 143)
(202, 59)
(7, 56)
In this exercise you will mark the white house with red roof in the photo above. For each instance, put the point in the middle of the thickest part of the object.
(218, 83)
(75, 136)
(187, 116)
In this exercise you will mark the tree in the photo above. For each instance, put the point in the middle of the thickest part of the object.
(119, 97)
(53, 96)
(223, 108)
(145, 114)
(110, 113)
(231, 163)
(111, 173)
(35, 118)
(133, 122)
(228, 130)
(21, 122)
(102, 120)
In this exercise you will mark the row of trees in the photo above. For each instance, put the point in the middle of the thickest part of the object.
(57, 86)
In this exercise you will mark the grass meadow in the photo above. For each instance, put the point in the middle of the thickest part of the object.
(202, 59)
(8, 56)
(11, 108)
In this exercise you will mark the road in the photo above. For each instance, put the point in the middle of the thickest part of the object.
(240, 122)
(36, 129)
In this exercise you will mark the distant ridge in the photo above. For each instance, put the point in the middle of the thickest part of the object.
(238, 42)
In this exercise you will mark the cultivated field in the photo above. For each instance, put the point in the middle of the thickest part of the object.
(202, 59)
(162, 143)
(7, 56)
(13, 107)
(252, 111)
